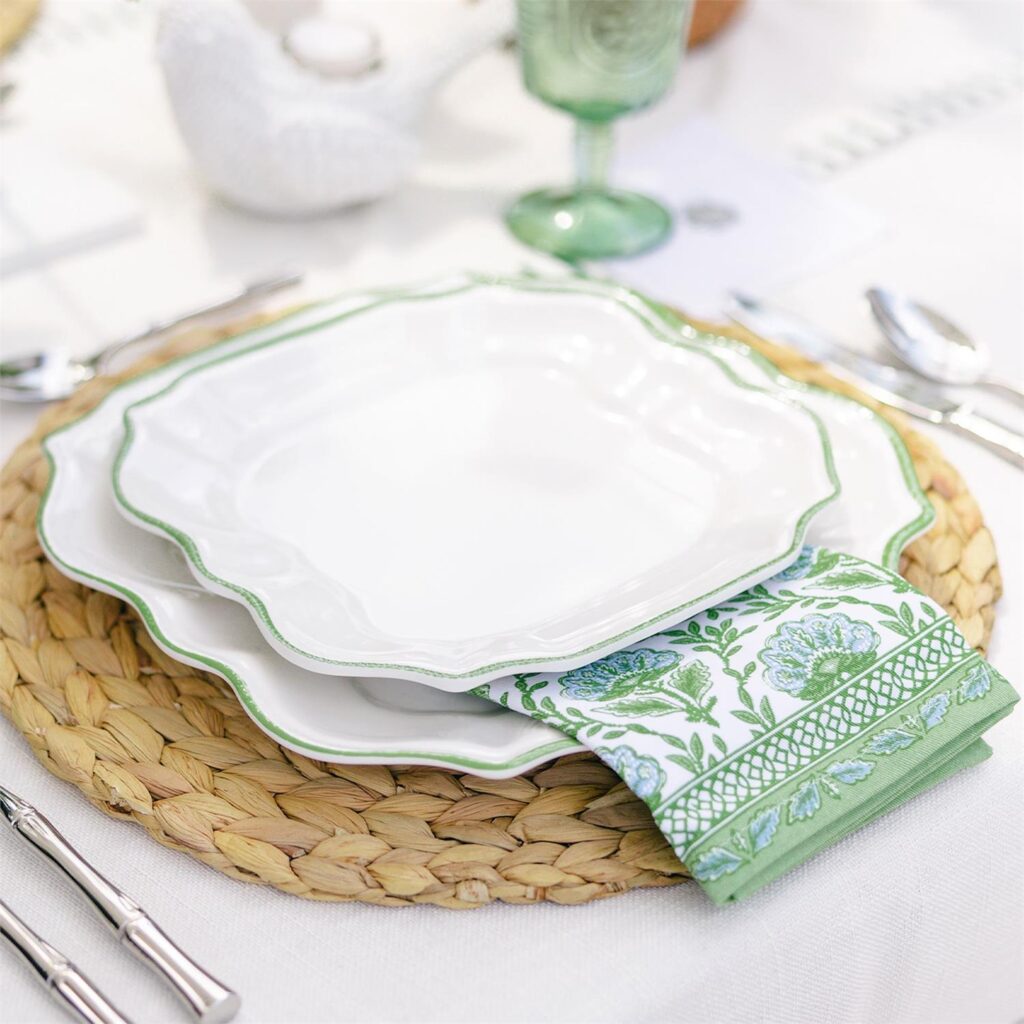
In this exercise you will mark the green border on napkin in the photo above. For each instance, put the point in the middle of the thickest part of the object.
(902, 755)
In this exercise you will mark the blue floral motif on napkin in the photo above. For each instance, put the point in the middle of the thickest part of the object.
(808, 658)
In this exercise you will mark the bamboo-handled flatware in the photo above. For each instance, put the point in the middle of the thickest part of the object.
(205, 996)
(63, 980)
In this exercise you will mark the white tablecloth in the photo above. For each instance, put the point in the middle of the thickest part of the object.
(920, 916)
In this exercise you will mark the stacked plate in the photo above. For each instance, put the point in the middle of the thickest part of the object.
(359, 513)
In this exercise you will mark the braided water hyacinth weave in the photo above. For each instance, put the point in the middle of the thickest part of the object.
(152, 741)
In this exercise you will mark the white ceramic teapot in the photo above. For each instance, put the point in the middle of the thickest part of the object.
(278, 139)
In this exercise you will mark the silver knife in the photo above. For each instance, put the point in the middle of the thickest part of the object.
(204, 995)
(886, 384)
(65, 982)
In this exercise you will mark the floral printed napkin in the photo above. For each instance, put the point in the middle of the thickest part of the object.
(767, 728)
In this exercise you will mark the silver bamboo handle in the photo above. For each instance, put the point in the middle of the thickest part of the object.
(65, 983)
(206, 997)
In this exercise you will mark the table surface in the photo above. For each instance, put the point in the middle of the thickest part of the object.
(918, 917)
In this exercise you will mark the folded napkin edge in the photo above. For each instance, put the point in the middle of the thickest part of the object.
(852, 792)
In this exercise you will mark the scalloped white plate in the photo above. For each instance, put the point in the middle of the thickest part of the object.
(447, 487)
(348, 720)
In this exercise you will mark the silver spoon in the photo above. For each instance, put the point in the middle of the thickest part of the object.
(47, 376)
(931, 345)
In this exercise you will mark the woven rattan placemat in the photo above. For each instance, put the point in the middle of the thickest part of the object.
(152, 741)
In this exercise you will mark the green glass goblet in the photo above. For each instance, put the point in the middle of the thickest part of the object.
(596, 59)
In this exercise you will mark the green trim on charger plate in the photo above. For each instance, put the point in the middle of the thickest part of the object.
(241, 688)
(660, 330)
(538, 754)
(906, 533)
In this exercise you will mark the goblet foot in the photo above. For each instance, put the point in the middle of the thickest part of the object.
(588, 224)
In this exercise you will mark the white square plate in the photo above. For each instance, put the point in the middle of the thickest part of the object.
(451, 484)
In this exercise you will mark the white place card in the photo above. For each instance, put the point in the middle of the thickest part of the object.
(742, 221)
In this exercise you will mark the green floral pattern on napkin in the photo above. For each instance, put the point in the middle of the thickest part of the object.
(765, 728)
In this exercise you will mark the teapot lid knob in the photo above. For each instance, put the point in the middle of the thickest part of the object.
(333, 47)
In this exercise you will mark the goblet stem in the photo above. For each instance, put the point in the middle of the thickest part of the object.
(589, 220)
(593, 153)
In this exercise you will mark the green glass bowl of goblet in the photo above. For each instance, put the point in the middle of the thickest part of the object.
(597, 60)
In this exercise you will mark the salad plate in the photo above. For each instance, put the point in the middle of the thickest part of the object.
(384, 490)
(346, 720)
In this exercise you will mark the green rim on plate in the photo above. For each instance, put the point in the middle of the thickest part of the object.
(659, 328)
(926, 512)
